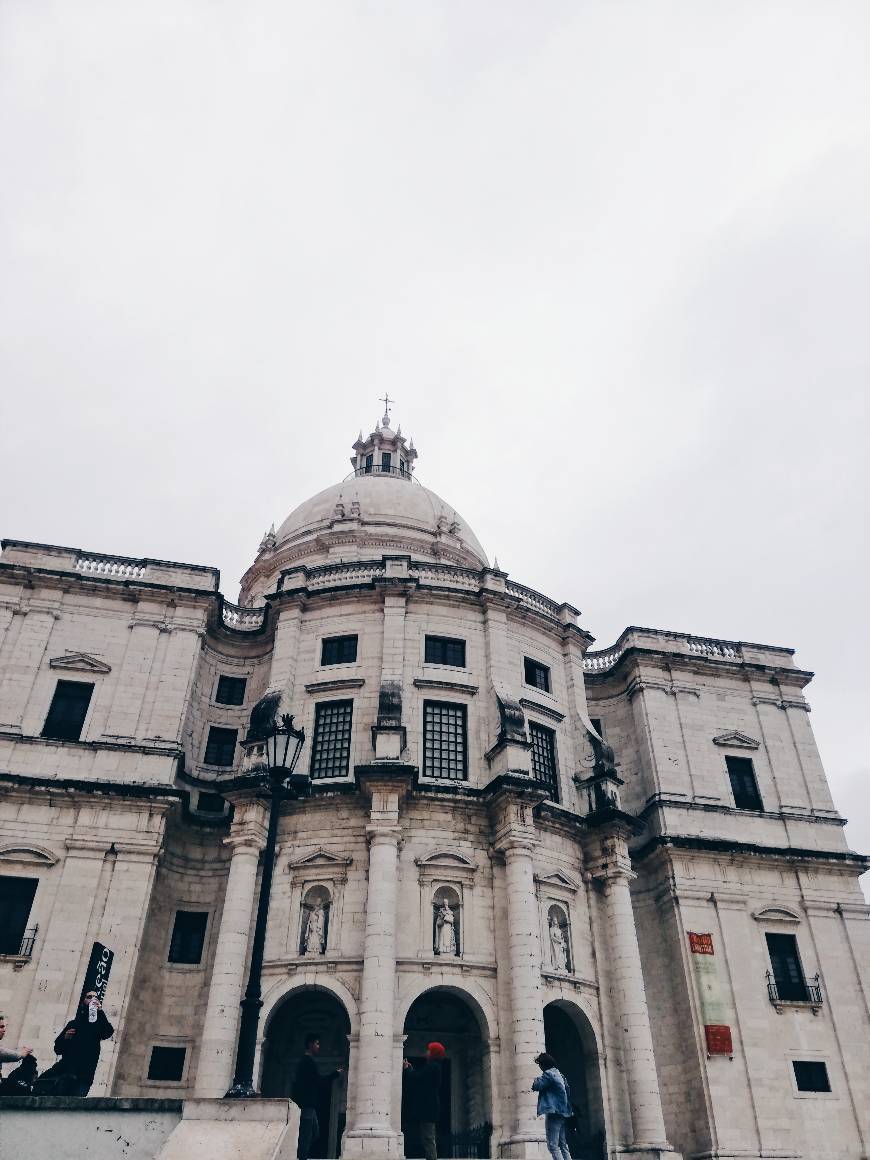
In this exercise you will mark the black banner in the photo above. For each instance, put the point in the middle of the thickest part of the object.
(97, 974)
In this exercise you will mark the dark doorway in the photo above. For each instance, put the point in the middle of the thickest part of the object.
(306, 1012)
(571, 1041)
(464, 1127)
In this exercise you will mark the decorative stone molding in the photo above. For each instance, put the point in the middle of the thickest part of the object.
(780, 914)
(736, 740)
(445, 683)
(30, 854)
(335, 686)
(544, 710)
(558, 883)
(319, 866)
(781, 703)
(80, 663)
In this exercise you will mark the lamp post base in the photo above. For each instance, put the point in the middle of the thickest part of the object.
(242, 1091)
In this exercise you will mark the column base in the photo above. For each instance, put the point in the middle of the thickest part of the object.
(524, 1148)
(260, 1129)
(375, 1143)
(647, 1152)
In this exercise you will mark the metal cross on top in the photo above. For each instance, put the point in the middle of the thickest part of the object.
(386, 400)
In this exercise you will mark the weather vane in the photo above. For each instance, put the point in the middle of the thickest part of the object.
(386, 400)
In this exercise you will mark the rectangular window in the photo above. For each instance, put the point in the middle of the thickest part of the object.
(788, 974)
(743, 783)
(167, 1063)
(330, 750)
(401, 467)
(369, 462)
(69, 707)
(221, 746)
(209, 803)
(538, 676)
(16, 900)
(445, 650)
(445, 741)
(811, 1075)
(188, 936)
(231, 690)
(544, 758)
(595, 722)
(386, 461)
(338, 650)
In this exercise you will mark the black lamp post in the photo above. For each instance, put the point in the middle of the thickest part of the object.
(280, 744)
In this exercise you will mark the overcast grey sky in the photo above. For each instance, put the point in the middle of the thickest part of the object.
(611, 258)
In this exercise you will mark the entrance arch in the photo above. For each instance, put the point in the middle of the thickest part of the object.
(310, 1011)
(446, 1015)
(570, 1039)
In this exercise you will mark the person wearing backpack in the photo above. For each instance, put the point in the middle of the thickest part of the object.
(554, 1104)
(20, 1079)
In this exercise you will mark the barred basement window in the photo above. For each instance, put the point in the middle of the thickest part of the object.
(743, 783)
(810, 1075)
(69, 707)
(231, 690)
(445, 650)
(188, 936)
(330, 750)
(445, 744)
(544, 758)
(167, 1063)
(538, 676)
(221, 746)
(338, 650)
(16, 900)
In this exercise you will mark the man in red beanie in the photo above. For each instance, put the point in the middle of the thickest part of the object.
(426, 1097)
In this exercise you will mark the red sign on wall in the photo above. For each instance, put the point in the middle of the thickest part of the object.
(718, 1036)
(700, 944)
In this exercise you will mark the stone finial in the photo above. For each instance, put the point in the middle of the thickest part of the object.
(269, 540)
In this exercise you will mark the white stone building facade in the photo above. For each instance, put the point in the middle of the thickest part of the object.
(635, 849)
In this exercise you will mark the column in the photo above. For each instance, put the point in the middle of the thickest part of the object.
(132, 681)
(22, 659)
(372, 1130)
(214, 1073)
(526, 991)
(629, 997)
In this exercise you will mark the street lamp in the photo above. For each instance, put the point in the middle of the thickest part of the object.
(274, 739)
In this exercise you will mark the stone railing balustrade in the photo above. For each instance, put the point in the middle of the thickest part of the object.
(532, 599)
(105, 566)
(243, 619)
(676, 642)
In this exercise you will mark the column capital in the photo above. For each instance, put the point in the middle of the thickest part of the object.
(516, 845)
(383, 835)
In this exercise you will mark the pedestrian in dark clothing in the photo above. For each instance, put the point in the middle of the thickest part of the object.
(78, 1044)
(307, 1087)
(554, 1104)
(22, 1074)
(426, 1097)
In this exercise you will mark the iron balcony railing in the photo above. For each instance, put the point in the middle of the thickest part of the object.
(22, 949)
(799, 991)
(378, 469)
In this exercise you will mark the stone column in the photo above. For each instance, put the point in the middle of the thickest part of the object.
(214, 1073)
(629, 997)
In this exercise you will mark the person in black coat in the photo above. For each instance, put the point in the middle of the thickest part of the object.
(78, 1045)
(425, 1084)
(307, 1087)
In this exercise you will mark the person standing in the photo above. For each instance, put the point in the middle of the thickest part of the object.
(307, 1087)
(554, 1104)
(78, 1044)
(426, 1097)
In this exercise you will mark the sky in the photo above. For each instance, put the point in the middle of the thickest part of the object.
(610, 258)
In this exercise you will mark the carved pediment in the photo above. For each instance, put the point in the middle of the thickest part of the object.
(558, 880)
(322, 864)
(79, 662)
(445, 858)
(776, 914)
(29, 853)
(735, 740)
(446, 865)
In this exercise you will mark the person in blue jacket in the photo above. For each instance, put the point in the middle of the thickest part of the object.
(554, 1104)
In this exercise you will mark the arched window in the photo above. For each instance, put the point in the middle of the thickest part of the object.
(559, 955)
(314, 924)
(446, 922)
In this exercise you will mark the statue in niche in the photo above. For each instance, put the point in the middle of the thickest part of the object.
(445, 930)
(558, 947)
(315, 941)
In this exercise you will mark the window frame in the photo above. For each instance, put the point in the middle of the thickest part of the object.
(234, 682)
(550, 734)
(339, 640)
(810, 1093)
(739, 771)
(185, 1061)
(67, 684)
(321, 708)
(462, 709)
(804, 997)
(529, 663)
(15, 945)
(208, 739)
(188, 963)
(434, 639)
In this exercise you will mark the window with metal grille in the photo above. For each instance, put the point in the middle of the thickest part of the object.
(538, 676)
(338, 650)
(811, 1075)
(188, 936)
(544, 758)
(69, 707)
(167, 1063)
(445, 650)
(743, 783)
(445, 741)
(16, 900)
(788, 974)
(220, 748)
(231, 690)
(330, 750)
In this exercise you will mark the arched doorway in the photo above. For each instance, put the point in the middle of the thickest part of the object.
(465, 1127)
(571, 1041)
(310, 1011)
